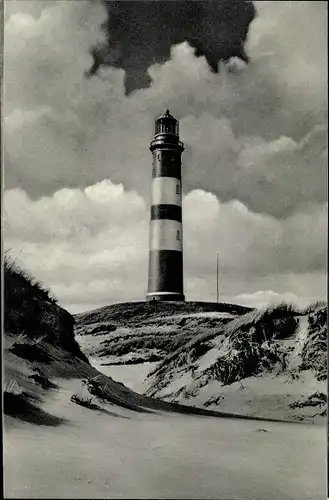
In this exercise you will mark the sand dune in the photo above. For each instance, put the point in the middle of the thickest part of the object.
(73, 432)
(160, 455)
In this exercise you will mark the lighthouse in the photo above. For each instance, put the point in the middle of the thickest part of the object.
(165, 275)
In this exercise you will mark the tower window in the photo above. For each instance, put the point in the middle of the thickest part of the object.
(178, 235)
(177, 189)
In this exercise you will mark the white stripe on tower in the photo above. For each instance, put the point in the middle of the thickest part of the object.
(166, 234)
(166, 191)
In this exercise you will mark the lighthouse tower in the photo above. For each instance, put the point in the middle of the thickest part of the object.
(165, 279)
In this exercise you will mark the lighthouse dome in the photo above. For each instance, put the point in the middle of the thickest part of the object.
(166, 124)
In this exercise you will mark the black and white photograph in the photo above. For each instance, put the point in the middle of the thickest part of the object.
(164, 217)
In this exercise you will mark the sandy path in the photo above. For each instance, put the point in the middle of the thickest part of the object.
(132, 376)
(164, 456)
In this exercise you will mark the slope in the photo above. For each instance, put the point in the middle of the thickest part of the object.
(267, 363)
(71, 432)
(41, 353)
(144, 331)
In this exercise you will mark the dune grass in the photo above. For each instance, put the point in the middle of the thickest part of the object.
(17, 278)
(278, 321)
(136, 313)
(32, 313)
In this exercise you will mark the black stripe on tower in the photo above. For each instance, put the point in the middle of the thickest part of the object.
(166, 273)
(160, 170)
(167, 164)
(171, 212)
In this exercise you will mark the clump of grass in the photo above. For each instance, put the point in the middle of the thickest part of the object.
(85, 402)
(319, 304)
(43, 381)
(15, 276)
(102, 329)
(316, 399)
(12, 387)
(255, 327)
(214, 400)
(24, 297)
(22, 337)
(162, 342)
(135, 361)
(31, 312)
(314, 353)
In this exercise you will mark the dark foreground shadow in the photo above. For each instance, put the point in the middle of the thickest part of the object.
(17, 405)
(96, 389)
(86, 403)
(31, 352)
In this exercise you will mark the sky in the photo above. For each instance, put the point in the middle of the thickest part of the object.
(78, 168)
(216, 29)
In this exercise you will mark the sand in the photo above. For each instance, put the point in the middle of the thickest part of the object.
(159, 455)
(132, 376)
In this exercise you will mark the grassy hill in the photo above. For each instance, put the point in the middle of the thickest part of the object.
(134, 313)
(147, 331)
(270, 362)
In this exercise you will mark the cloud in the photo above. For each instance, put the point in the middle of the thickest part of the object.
(251, 244)
(275, 177)
(263, 298)
(91, 246)
(257, 135)
(78, 168)
(216, 30)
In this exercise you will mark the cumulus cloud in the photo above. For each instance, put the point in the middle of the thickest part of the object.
(254, 166)
(255, 135)
(88, 245)
(91, 245)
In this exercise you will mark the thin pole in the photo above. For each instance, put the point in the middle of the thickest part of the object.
(217, 280)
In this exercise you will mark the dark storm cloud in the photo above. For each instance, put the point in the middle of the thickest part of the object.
(256, 134)
(140, 34)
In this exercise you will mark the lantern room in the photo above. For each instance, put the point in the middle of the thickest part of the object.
(166, 124)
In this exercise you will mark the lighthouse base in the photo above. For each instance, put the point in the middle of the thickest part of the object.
(168, 296)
